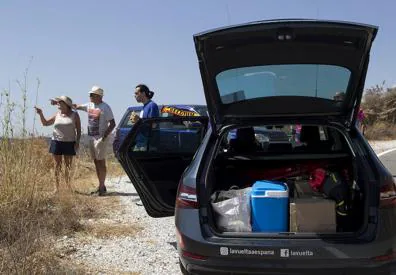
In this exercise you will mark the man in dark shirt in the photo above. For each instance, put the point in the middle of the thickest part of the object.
(150, 108)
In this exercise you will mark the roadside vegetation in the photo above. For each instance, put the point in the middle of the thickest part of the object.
(379, 104)
(32, 216)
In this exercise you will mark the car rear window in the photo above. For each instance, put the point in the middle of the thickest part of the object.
(279, 138)
(308, 80)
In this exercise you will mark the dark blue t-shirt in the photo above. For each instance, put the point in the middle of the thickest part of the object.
(150, 109)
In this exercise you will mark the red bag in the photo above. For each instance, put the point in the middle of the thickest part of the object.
(317, 179)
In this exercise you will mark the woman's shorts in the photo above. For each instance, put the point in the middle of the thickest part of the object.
(65, 148)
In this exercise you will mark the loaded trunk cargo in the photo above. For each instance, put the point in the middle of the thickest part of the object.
(292, 194)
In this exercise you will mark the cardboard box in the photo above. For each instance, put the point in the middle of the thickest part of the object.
(312, 215)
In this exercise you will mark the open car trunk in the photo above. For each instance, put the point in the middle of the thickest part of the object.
(289, 189)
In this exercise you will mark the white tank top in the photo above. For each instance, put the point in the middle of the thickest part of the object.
(64, 128)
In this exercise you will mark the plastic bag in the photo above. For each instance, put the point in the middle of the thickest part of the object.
(232, 210)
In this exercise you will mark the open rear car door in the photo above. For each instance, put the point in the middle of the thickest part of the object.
(155, 154)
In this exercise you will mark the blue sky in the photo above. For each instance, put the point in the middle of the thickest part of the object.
(119, 44)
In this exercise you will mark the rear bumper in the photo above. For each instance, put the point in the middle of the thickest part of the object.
(277, 268)
(310, 256)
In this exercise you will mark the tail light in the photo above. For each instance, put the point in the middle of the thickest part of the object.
(186, 196)
(391, 255)
(388, 193)
(194, 256)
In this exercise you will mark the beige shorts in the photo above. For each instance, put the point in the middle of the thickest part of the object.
(97, 147)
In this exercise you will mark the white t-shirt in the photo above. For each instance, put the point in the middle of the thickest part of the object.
(98, 117)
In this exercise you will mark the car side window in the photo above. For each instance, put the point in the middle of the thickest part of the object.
(181, 136)
(127, 122)
(166, 115)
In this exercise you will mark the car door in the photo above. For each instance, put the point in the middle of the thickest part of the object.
(154, 155)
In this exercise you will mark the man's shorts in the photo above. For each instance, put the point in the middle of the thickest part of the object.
(98, 147)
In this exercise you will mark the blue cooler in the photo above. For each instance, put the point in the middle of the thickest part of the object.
(270, 206)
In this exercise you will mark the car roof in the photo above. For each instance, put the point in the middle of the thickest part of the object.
(178, 106)
(134, 108)
(172, 105)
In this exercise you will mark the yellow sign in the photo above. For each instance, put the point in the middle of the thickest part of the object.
(178, 112)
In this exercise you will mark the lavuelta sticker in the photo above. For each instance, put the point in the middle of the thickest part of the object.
(178, 112)
(226, 251)
(286, 253)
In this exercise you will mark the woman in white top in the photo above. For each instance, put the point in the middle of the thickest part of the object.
(66, 135)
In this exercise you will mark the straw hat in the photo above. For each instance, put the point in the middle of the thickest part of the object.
(67, 100)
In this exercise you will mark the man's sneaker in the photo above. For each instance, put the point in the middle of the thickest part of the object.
(102, 192)
(97, 191)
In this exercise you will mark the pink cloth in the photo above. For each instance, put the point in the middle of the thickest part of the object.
(361, 116)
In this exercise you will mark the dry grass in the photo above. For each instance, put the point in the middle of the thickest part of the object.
(384, 130)
(379, 104)
(31, 214)
(105, 230)
(90, 270)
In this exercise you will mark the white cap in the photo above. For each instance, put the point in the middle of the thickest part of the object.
(96, 90)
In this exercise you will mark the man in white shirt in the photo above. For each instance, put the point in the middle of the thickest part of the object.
(100, 124)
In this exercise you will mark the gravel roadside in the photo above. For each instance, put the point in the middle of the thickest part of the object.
(152, 250)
